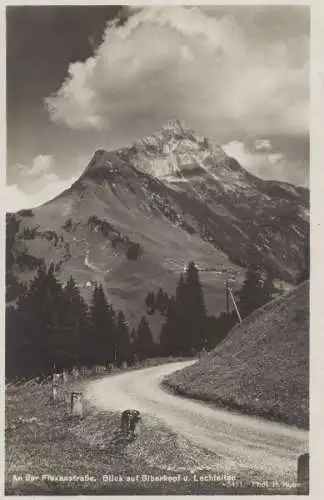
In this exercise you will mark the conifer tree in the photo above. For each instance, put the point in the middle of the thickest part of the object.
(150, 303)
(161, 302)
(305, 272)
(218, 327)
(256, 291)
(36, 324)
(144, 340)
(133, 346)
(195, 309)
(185, 328)
(12, 228)
(268, 287)
(21, 351)
(123, 346)
(181, 316)
(168, 336)
(14, 350)
(102, 329)
(165, 302)
(44, 299)
(74, 331)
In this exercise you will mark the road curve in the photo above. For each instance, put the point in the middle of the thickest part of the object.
(245, 445)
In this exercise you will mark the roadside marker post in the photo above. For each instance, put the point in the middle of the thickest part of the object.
(303, 474)
(55, 383)
(76, 404)
(54, 394)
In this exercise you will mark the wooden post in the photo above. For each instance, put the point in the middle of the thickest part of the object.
(55, 382)
(303, 474)
(54, 394)
(65, 377)
(76, 404)
(227, 296)
(235, 305)
(135, 361)
(124, 422)
(203, 352)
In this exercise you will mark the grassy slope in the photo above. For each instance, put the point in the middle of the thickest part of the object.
(42, 439)
(167, 249)
(261, 367)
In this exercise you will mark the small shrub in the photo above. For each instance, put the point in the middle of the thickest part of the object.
(26, 213)
(133, 251)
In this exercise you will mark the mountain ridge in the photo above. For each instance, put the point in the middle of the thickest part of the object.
(137, 215)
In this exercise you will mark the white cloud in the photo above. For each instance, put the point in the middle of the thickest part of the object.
(236, 149)
(260, 161)
(181, 62)
(262, 144)
(38, 183)
(40, 165)
(16, 199)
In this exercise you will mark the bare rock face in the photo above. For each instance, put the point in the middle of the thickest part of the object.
(137, 215)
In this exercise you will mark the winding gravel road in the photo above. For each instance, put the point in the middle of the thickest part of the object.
(248, 446)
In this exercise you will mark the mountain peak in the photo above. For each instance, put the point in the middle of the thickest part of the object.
(171, 135)
(175, 125)
(172, 150)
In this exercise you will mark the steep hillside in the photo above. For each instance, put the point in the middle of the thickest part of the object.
(262, 366)
(136, 217)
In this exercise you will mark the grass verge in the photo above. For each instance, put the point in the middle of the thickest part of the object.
(50, 453)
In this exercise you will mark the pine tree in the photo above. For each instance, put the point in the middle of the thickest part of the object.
(305, 272)
(256, 291)
(161, 301)
(168, 335)
(20, 352)
(185, 328)
(268, 288)
(74, 330)
(150, 303)
(144, 340)
(12, 334)
(195, 310)
(44, 299)
(12, 228)
(35, 324)
(212, 332)
(218, 328)
(123, 346)
(181, 319)
(248, 295)
(102, 329)
(133, 346)
(165, 302)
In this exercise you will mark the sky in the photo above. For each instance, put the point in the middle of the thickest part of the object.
(88, 77)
